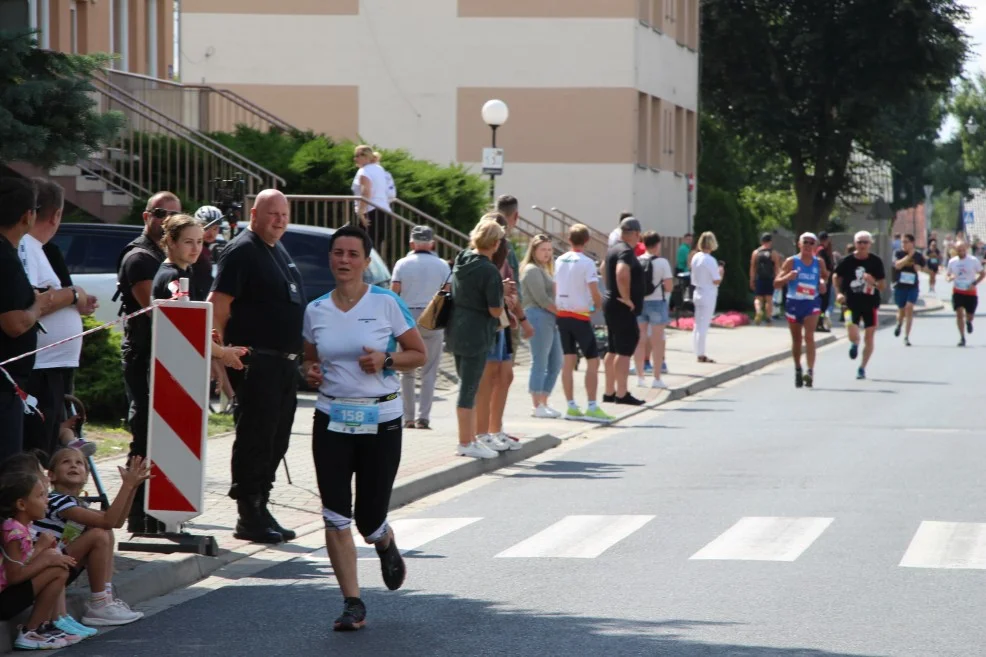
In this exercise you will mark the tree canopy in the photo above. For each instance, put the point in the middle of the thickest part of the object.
(47, 115)
(815, 80)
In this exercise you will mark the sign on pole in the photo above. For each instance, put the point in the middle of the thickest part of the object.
(493, 161)
(928, 190)
(177, 431)
(968, 217)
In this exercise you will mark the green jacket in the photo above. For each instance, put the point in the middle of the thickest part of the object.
(476, 287)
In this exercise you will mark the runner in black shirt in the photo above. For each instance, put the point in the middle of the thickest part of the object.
(907, 262)
(933, 255)
(20, 308)
(624, 301)
(859, 278)
(138, 265)
(259, 303)
(825, 254)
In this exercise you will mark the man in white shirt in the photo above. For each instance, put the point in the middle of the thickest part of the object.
(53, 368)
(416, 279)
(617, 233)
(576, 298)
(966, 273)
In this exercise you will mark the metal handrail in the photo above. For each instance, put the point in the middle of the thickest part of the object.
(92, 171)
(571, 221)
(230, 95)
(198, 135)
(424, 215)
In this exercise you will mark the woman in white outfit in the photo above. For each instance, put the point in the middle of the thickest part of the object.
(706, 277)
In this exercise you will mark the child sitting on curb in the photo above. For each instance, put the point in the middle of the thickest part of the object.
(31, 573)
(87, 534)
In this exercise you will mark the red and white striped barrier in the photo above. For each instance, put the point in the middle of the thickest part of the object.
(179, 409)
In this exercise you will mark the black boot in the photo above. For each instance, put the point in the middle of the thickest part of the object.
(288, 534)
(252, 524)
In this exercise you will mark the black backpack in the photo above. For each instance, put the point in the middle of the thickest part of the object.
(647, 262)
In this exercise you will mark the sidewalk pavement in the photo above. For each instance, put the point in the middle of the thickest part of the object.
(429, 463)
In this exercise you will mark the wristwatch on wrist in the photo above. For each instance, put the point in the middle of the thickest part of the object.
(75, 296)
(388, 361)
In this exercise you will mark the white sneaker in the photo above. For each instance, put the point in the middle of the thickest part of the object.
(493, 441)
(475, 450)
(542, 412)
(552, 411)
(112, 613)
(659, 384)
(641, 382)
(512, 444)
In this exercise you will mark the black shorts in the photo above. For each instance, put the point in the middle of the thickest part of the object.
(373, 459)
(867, 315)
(969, 302)
(16, 598)
(623, 329)
(577, 336)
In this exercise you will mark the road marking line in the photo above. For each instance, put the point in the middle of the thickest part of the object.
(577, 537)
(947, 545)
(765, 539)
(411, 534)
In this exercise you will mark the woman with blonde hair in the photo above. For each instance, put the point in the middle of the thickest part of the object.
(478, 300)
(370, 186)
(537, 287)
(707, 274)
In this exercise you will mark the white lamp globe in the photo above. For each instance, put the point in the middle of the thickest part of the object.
(495, 113)
(971, 126)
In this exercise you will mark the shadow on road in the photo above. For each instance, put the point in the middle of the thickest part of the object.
(856, 390)
(914, 383)
(572, 470)
(293, 616)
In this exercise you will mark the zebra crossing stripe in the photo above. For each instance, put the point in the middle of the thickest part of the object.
(947, 545)
(765, 539)
(411, 533)
(577, 537)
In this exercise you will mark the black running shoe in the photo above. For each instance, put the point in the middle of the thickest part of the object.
(809, 379)
(907, 341)
(798, 378)
(392, 565)
(968, 326)
(353, 616)
(897, 331)
(629, 400)
(962, 342)
(609, 399)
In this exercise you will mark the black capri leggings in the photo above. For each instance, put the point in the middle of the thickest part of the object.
(374, 460)
(470, 371)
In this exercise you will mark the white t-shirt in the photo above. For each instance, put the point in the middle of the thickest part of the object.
(421, 275)
(391, 186)
(574, 272)
(965, 270)
(705, 273)
(376, 321)
(662, 272)
(60, 324)
(378, 180)
(615, 236)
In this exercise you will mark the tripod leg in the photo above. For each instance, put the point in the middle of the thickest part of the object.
(286, 471)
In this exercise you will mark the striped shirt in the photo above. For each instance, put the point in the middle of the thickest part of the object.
(55, 522)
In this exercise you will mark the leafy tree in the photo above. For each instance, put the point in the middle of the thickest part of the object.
(718, 211)
(813, 79)
(47, 115)
(969, 105)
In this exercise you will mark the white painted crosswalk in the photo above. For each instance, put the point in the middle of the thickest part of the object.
(765, 539)
(935, 544)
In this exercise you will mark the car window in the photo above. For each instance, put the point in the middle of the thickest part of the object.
(311, 255)
(92, 253)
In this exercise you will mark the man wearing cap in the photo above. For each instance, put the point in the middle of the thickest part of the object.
(765, 263)
(416, 278)
(859, 278)
(624, 302)
(804, 275)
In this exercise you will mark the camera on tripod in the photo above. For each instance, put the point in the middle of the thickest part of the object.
(228, 196)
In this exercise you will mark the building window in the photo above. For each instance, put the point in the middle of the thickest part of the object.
(16, 14)
(681, 21)
(657, 14)
(693, 19)
(643, 11)
(680, 153)
(73, 22)
(643, 129)
(656, 138)
(691, 141)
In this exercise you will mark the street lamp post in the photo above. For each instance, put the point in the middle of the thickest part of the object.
(495, 114)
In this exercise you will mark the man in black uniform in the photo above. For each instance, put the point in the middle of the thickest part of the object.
(259, 303)
(138, 264)
(20, 308)
(624, 302)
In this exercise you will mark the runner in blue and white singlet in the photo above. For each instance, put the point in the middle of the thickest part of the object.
(804, 275)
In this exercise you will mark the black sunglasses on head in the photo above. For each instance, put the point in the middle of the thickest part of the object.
(161, 213)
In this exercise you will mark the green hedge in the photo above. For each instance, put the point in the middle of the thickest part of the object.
(99, 379)
(735, 230)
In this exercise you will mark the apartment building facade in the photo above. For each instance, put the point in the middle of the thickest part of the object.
(139, 33)
(603, 94)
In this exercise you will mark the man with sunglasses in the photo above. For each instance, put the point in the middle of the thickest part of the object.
(804, 275)
(136, 269)
(860, 278)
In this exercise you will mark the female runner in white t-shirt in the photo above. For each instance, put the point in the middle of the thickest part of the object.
(350, 351)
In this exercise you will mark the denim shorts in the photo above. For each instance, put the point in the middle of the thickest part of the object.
(904, 295)
(500, 352)
(654, 312)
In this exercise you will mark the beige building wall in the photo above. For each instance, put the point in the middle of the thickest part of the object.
(603, 94)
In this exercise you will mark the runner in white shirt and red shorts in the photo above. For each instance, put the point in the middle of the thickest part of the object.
(965, 272)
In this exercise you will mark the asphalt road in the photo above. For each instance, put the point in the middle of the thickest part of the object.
(754, 520)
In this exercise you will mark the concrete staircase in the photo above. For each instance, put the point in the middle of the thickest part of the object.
(83, 190)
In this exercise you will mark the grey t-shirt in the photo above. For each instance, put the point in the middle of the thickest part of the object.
(421, 274)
